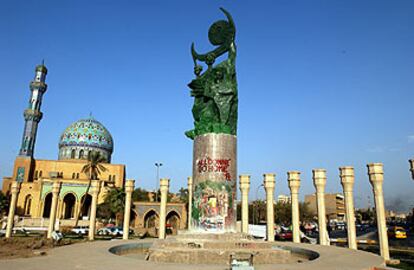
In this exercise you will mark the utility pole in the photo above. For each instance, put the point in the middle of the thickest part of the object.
(158, 165)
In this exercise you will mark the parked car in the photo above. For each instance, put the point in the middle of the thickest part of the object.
(81, 230)
(284, 235)
(397, 232)
(104, 231)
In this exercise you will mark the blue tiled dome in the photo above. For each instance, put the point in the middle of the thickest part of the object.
(84, 136)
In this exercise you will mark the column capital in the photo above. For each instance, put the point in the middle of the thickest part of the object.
(293, 180)
(56, 187)
(129, 185)
(244, 182)
(164, 183)
(411, 161)
(375, 173)
(319, 177)
(15, 187)
(347, 175)
(269, 180)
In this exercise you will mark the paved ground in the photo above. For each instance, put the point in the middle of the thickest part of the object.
(95, 255)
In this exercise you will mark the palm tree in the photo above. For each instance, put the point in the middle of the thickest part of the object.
(92, 169)
(4, 203)
(116, 200)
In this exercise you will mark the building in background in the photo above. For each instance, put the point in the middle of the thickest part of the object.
(282, 198)
(334, 203)
(76, 144)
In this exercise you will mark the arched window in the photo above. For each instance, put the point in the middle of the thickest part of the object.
(27, 205)
(40, 174)
(113, 178)
(81, 154)
(72, 154)
(89, 154)
(36, 175)
(110, 178)
(77, 176)
(73, 175)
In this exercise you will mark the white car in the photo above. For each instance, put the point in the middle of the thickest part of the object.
(104, 231)
(81, 230)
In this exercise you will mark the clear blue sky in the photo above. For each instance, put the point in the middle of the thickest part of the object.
(322, 84)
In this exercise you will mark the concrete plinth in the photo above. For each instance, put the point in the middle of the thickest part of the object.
(294, 185)
(52, 219)
(319, 181)
(269, 185)
(214, 178)
(244, 192)
(95, 186)
(15, 188)
(376, 178)
(347, 181)
(164, 186)
(129, 188)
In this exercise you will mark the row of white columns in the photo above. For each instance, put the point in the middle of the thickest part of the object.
(375, 173)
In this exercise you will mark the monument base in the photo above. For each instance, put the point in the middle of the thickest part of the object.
(214, 188)
(216, 249)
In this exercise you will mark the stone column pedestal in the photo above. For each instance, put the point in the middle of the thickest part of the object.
(52, 219)
(15, 188)
(94, 191)
(164, 186)
(411, 161)
(190, 200)
(215, 181)
(319, 181)
(244, 192)
(129, 188)
(347, 181)
(294, 185)
(376, 178)
(269, 185)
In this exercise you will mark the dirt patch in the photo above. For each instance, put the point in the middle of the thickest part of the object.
(25, 247)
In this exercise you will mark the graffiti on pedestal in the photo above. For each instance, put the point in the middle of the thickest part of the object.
(209, 165)
(213, 205)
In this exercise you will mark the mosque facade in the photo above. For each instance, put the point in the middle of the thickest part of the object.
(76, 144)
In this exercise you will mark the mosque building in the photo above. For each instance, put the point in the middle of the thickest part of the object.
(76, 144)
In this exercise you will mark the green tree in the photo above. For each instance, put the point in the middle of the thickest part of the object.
(257, 211)
(283, 213)
(92, 169)
(183, 195)
(113, 206)
(4, 203)
(305, 213)
(140, 195)
(116, 200)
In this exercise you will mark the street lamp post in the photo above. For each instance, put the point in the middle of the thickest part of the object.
(158, 165)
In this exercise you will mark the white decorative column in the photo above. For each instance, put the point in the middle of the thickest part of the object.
(15, 188)
(52, 218)
(92, 220)
(319, 181)
(376, 178)
(129, 188)
(412, 167)
(294, 185)
(347, 181)
(244, 192)
(269, 185)
(190, 200)
(164, 186)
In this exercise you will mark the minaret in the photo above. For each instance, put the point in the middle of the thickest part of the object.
(33, 115)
